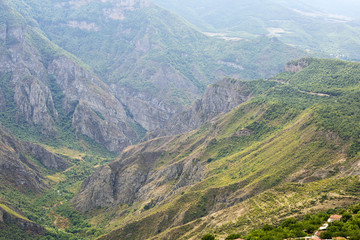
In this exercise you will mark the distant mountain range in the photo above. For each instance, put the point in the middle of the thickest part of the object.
(329, 27)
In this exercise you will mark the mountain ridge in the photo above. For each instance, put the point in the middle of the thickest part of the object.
(279, 138)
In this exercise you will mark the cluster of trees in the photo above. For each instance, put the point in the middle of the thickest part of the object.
(288, 229)
(348, 227)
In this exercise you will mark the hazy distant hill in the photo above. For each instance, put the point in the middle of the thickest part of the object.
(306, 24)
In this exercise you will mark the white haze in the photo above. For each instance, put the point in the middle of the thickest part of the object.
(349, 8)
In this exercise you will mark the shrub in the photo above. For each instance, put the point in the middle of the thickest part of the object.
(208, 237)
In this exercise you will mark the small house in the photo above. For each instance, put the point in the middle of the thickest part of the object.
(334, 218)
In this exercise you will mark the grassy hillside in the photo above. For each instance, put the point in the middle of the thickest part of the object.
(286, 152)
(291, 150)
(347, 227)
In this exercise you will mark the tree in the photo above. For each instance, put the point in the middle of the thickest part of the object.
(233, 236)
(326, 235)
(208, 237)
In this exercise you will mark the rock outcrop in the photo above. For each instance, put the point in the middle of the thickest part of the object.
(16, 168)
(219, 98)
(150, 111)
(133, 178)
(28, 75)
(46, 158)
(96, 112)
(34, 72)
(296, 66)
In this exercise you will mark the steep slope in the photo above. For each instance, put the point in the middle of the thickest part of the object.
(218, 98)
(282, 144)
(20, 163)
(51, 94)
(312, 25)
(14, 224)
(155, 62)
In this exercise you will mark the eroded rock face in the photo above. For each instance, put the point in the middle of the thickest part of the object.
(98, 114)
(91, 104)
(46, 158)
(219, 98)
(34, 101)
(150, 111)
(296, 66)
(28, 76)
(15, 167)
(133, 178)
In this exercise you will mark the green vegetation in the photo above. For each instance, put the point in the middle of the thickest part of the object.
(12, 212)
(151, 42)
(348, 227)
(51, 209)
(208, 237)
(14, 232)
(286, 152)
(291, 148)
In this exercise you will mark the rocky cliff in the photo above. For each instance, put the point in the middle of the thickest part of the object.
(134, 178)
(296, 66)
(34, 72)
(96, 112)
(155, 63)
(17, 166)
(219, 98)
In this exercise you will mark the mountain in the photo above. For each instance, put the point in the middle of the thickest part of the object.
(21, 163)
(290, 149)
(148, 66)
(49, 95)
(155, 63)
(218, 98)
(83, 81)
(23, 168)
(313, 25)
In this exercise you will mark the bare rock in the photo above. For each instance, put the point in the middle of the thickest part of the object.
(133, 178)
(17, 170)
(219, 98)
(296, 66)
(35, 103)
